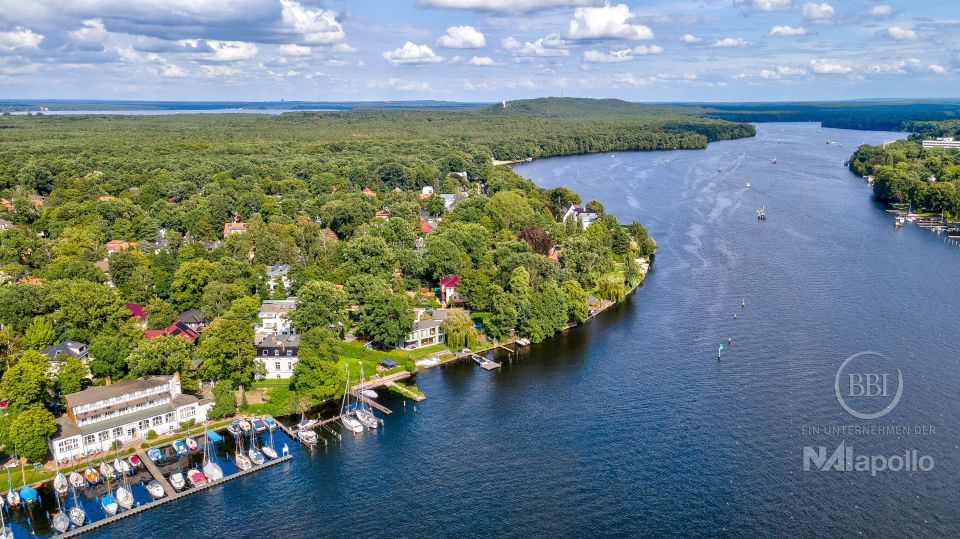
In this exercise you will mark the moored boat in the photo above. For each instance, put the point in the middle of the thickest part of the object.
(155, 489)
(106, 470)
(243, 463)
(60, 521)
(109, 504)
(307, 436)
(244, 425)
(134, 461)
(177, 481)
(213, 471)
(258, 424)
(256, 456)
(347, 418)
(191, 444)
(60, 484)
(76, 479)
(91, 474)
(196, 478)
(28, 494)
(234, 429)
(269, 452)
(13, 498)
(155, 454)
(271, 422)
(180, 447)
(121, 466)
(124, 497)
(77, 515)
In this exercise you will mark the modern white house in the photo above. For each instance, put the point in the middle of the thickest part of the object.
(272, 316)
(277, 275)
(278, 354)
(64, 351)
(125, 411)
(427, 330)
(941, 142)
(586, 217)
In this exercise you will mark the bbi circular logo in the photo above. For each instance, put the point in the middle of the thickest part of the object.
(868, 385)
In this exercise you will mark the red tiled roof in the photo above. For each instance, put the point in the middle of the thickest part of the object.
(137, 310)
(425, 227)
(178, 329)
(369, 192)
(450, 281)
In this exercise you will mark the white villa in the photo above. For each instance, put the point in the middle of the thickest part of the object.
(272, 319)
(124, 411)
(278, 354)
(586, 217)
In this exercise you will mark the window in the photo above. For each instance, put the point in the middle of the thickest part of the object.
(89, 439)
(144, 424)
(168, 418)
(289, 365)
(289, 351)
(276, 366)
(103, 436)
(156, 421)
(278, 375)
(276, 352)
(69, 444)
(118, 432)
(188, 412)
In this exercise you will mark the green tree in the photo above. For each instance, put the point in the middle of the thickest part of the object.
(503, 316)
(164, 355)
(160, 314)
(443, 257)
(218, 296)
(317, 374)
(460, 330)
(227, 351)
(20, 303)
(520, 288)
(109, 350)
(509, 210)
(224, 399)
(26, 382)
(86, 309)
(189, 281)
(387, 318)
(71, 375)
(320, 304)
(29, 431)
(39, 334)
(576, 298)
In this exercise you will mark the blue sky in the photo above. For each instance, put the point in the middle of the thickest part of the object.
(478, 50)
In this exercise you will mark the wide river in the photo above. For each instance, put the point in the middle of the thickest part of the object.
(628, 425)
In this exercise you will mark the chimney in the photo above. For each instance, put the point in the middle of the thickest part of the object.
(176, 376)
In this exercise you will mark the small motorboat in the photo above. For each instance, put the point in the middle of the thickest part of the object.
(307, 436)
(121, 466)
(213, 471)
(270, 452)
(124, 497)
(234, 429)
(60, 484)
(306, 424)
(192, 444)
(271, 422)
(371, 394)
(76, 480)
(154, 454)
(28, 494)
(255, 456)
(155, 489)
(180, 447)
(177, 481)
(91, 475)
(109, 504)
(244, 425)
(196, 478)
(259, 425)
(351, 423)
(243, 463)
(106, 469)
(6, 533)
(13, 499)
(60, 521)
(134, 461)
(77, 515)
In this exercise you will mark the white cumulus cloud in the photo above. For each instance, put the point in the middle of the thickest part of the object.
(172, 71)
(403, 85)
(900, 34)
(880, 10)
(317, 26)
(765, 5)
(690, 38)
(462, 37)
(411, 53)
(730, 42)
(780, 72)
(779, 30)
(19, 38)
(822, 12)
(938, 69)
(294, 50)
(602, 57)
(505, 6)
(231, 51)
(829, 67)
(607, 22)
(551, 45)
(481, 61)
(643, 50)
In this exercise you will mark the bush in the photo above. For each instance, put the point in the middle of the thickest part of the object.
(151, 434)
(117, 444)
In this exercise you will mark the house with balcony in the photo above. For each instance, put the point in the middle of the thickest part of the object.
(427, 330)
(273, 320)
(277, 354)
(126, 411)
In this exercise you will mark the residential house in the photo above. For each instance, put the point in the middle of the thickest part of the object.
(178, 329)
(577, 212)
(369, 192)
(427, 330)
(450, 200)
(426, 227)
(277, 275)
(193, 318)
(63, 351)
(125, 411)
(448, 290)
(116, 245)
(461, 176)
(382, 214)
(234, 228)
(277, 354)
(273, 320)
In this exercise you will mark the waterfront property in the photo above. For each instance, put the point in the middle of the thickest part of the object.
(278, 354)
(273, 318)
(941, 142)
(448, 290)
(125, 411)
(578, 213)
(427, 330)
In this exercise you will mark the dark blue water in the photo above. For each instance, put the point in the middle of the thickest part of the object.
(629, 426)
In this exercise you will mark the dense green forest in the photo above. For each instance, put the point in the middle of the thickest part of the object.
(905, 172)
(884, 115)
(105, 211)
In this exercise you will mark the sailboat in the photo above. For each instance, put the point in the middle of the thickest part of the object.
(243, 463)
(6, 532)
(346, 415)
(77, 515)
(268, 450)
(13, 499)
(60, 484)
(27, 493)
(255, 455)
(105, 468)
(108, 502)
(76, 479)
(121, 466)
(60, 521)
(91, 474)
(364, 415)
(210, 468)
(124, 495)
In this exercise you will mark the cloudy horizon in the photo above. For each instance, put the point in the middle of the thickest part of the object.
(477, 50)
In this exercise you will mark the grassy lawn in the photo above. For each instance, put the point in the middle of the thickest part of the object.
(402, 389)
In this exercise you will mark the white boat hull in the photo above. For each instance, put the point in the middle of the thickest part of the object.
(351, 424)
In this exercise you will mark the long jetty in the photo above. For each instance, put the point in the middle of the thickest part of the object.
(169, 498)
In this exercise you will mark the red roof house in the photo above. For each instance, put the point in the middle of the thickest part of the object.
(425, 226)
(137, 311)
(234, 228)
(178, 328)
(116, 245)
(448, 289)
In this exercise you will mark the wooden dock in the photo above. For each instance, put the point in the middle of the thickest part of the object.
(155, 472)
(373, 404)
(168, 499)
